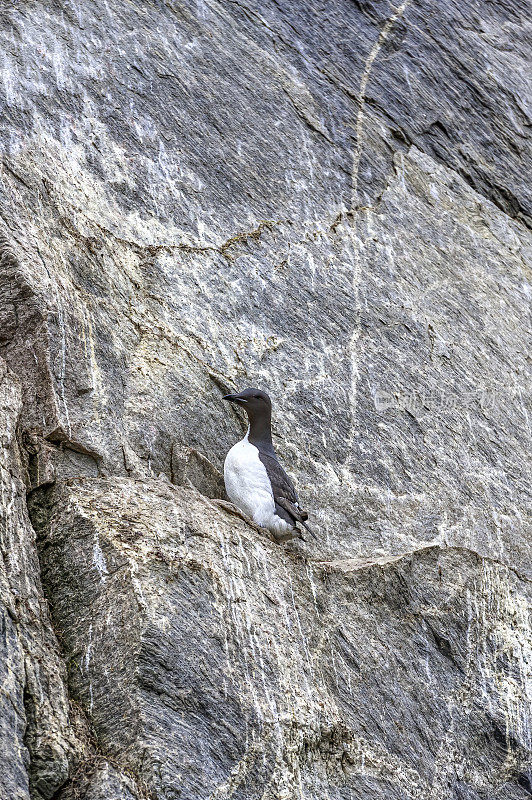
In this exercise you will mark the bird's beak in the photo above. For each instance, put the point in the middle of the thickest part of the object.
(235, 398)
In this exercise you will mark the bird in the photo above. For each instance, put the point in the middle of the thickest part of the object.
(255, 481)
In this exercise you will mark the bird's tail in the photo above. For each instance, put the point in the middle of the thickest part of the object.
(308, 528)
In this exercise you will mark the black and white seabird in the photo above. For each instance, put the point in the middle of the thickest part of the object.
(254, 479)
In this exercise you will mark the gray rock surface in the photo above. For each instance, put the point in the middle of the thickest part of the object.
(331, 201)
(36, 731)
(215, 663)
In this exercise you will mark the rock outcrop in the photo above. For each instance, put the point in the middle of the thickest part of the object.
(331, 201)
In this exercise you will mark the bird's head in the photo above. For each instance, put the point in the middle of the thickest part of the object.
(256, 403)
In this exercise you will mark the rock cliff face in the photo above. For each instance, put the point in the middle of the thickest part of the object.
(330, 201)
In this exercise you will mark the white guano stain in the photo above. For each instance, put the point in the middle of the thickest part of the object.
(98, 559)
(361, 98)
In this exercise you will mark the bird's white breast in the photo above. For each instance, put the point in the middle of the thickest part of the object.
(248, 486)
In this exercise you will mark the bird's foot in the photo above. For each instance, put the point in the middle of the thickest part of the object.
(227, 506)
(289, 536)
(232, 509)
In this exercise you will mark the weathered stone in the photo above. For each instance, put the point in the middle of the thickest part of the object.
(214, 663)
(96, 779)
(330, 201)
(36, 740)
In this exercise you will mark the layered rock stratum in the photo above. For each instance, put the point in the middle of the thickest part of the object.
(330, 201)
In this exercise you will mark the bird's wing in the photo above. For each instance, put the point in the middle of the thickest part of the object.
(282, 486)
(284, 493)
